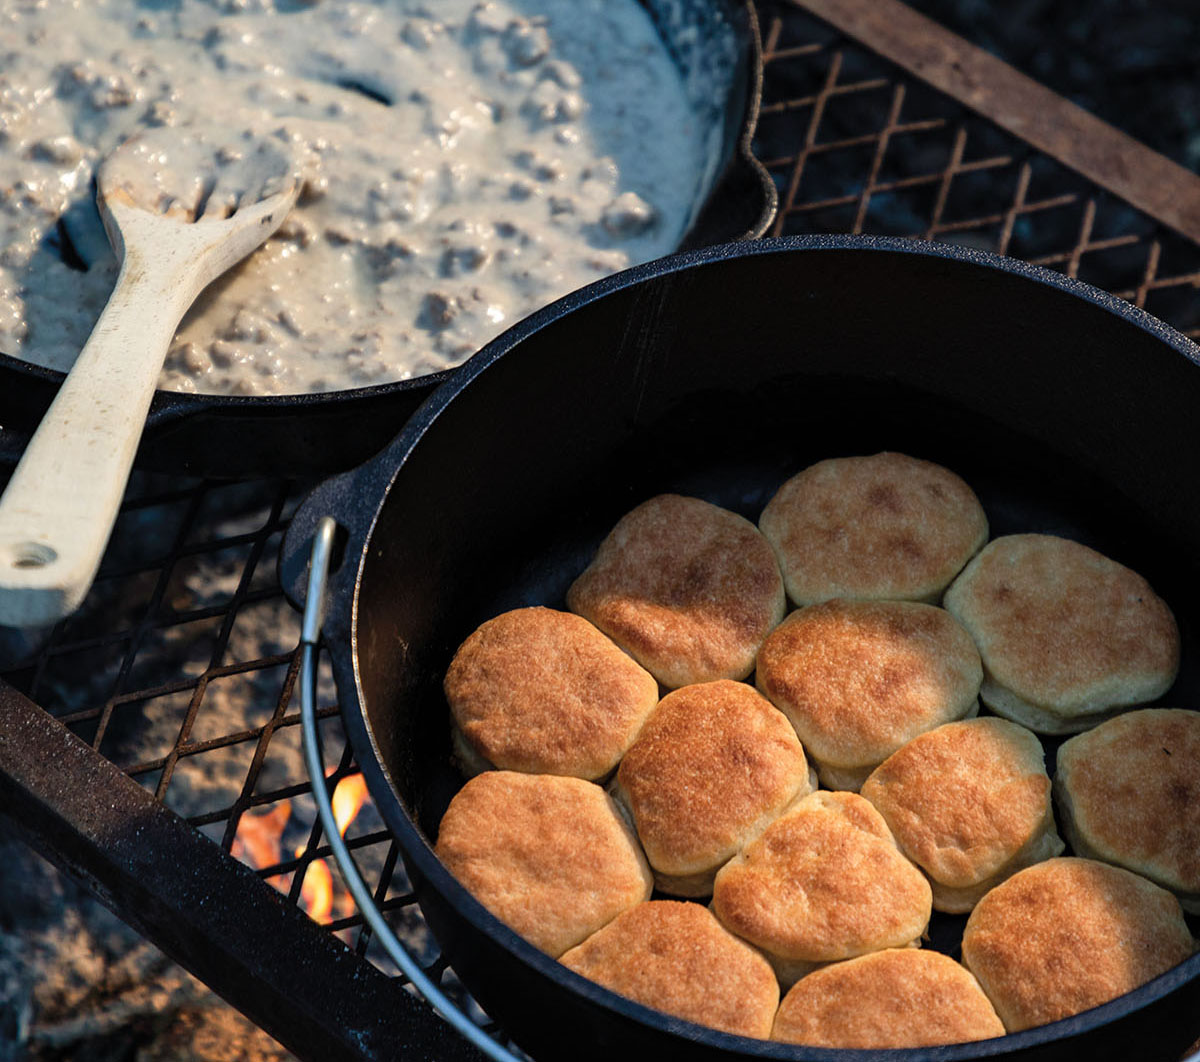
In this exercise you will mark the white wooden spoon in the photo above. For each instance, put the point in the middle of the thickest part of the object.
(180, 207)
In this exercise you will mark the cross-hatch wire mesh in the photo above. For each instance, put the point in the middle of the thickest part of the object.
(856, 146)
(181, 667)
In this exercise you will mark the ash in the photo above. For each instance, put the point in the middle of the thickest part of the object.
(77, 983)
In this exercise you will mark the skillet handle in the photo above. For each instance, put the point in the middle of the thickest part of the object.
(323, 542)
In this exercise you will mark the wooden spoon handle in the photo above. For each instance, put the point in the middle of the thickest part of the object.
(58, 510)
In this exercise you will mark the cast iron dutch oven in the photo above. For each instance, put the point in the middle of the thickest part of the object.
(716, 48)
(719, 374)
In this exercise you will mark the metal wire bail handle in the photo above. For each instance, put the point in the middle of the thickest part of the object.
(314, 614)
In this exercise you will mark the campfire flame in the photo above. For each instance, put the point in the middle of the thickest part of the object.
(258, 838)
(348, 798)
(316, 894)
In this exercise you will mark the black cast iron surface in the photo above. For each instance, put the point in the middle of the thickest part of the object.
(717, 375)
(165, 673)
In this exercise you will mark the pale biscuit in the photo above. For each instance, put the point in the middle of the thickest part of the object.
(549, 856)
(1068, 637)
(712, 766)
(825, 881)
(1128, 793)
(545, 692)
(969, 803)
(675, 957)
(888, 999)
(1069, 934)
(858, 679)
(688, 589)
(883, 527)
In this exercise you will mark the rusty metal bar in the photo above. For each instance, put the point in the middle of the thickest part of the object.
(1111, 159)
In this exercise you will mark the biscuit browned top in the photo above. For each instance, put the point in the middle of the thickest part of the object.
(860, 678)
(1069, 934)
(963, 799)
(887, 526)
(689, 589)
(825, 881)
(1065, 628)
(549, 856)
(675, 957)
(904, 998)
(713, 763)
(544, 691)
(1133, 787)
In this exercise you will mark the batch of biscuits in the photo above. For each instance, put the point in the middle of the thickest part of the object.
(619, 750)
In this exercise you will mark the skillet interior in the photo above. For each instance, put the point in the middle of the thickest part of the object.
(1067, 412)
(714, 45)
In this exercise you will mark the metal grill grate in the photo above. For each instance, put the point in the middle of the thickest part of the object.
(181, 667)
(854, 146)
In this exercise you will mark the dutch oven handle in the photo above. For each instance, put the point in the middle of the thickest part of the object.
(340, 497)
(323, 548)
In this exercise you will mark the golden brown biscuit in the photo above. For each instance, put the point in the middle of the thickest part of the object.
(1068, 637)
(676, 958)
(882, 527)
(890, 998)
(1067, 935)
(551, 857)
(712, 766)
(1129, 793)
(688, 589)
(858, 679)
(544, 692)
(969, 803)
(825, 881)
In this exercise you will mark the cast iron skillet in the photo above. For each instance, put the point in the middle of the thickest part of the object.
(715, 45)
(718, 374)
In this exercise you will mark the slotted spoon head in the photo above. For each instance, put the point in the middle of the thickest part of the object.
(229, 189)
(180, 206)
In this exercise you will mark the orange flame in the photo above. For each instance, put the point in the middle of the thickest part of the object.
(258, 837)
(347, 800)
(316, 893)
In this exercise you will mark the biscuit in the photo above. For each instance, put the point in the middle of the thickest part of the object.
(712, 766)
(969, 803)
(1128, 793)
(882, 527)
(689, 590)
(675, 957)
(858, 679)
(823, 882)
(887, 999)
(551, 857)
(544, 692)
(1068, 637)
(1069, 934)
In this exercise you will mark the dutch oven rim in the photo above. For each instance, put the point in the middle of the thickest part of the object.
(379, 474)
